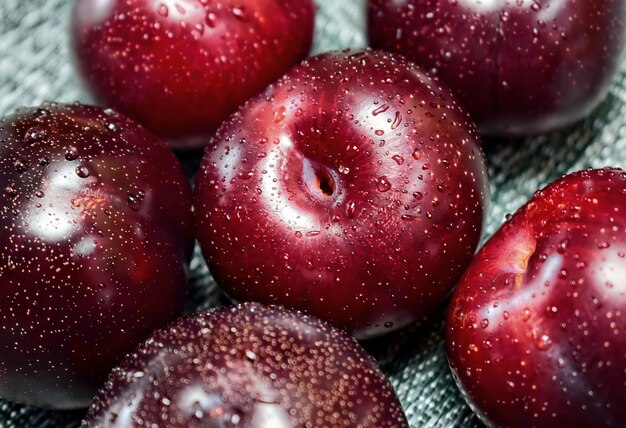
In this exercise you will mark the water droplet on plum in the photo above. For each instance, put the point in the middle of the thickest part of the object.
(34, 135)
(383, 184)
(71, 153)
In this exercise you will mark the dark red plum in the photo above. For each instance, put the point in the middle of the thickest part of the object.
(181, 67)
(248, 366)
(521, 67)
(354, 189)
(535, 330)
(96, 224)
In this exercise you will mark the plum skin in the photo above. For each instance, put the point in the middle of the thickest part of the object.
(520, 67)
(248, 366)
(535, 327)
(342, 191)
(182, 67)
(96, 233)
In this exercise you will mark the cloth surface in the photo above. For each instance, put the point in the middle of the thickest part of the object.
(35, 66)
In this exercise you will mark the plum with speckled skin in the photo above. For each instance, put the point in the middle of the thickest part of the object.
(354, 189)
(96, 224)
(535, 330)
(248, 366)
(521, 67)
(180, 67)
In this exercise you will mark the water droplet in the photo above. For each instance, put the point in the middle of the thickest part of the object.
(380, 110)
(525, 314)
(388, 324)
(180, 8)
(551, 311)
(163, 10)
(41, 112)
(596, 302)
(417, 154)
(350, 209)
(10, 192)
(484, 323)
(542, 341)
(379, 132)
(211, 20)
(279, 115)
(245, 175)
(82, 171)
(34, 135)
(199, 27)
(134, 201)
(21, 165)
(398, 159)
(344, 169)
(71, 153)
(397, 121)
(510, 385)
(239, 13)
(383, 184)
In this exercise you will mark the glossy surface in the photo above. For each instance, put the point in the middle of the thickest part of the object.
(354, 189)
(535, 329)
(248, 366)
(96, 228)
(180, 67)
(521, 67)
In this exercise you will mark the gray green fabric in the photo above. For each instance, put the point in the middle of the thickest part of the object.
(35, 66)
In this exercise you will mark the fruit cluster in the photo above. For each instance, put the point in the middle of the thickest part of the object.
(341, 195)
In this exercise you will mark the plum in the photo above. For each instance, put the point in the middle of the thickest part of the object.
(535, 330)
(180, 67)
(97, 228)
(354, 189)
(248, 366)
(521, 67)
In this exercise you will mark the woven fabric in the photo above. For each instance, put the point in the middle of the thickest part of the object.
(35, 66)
